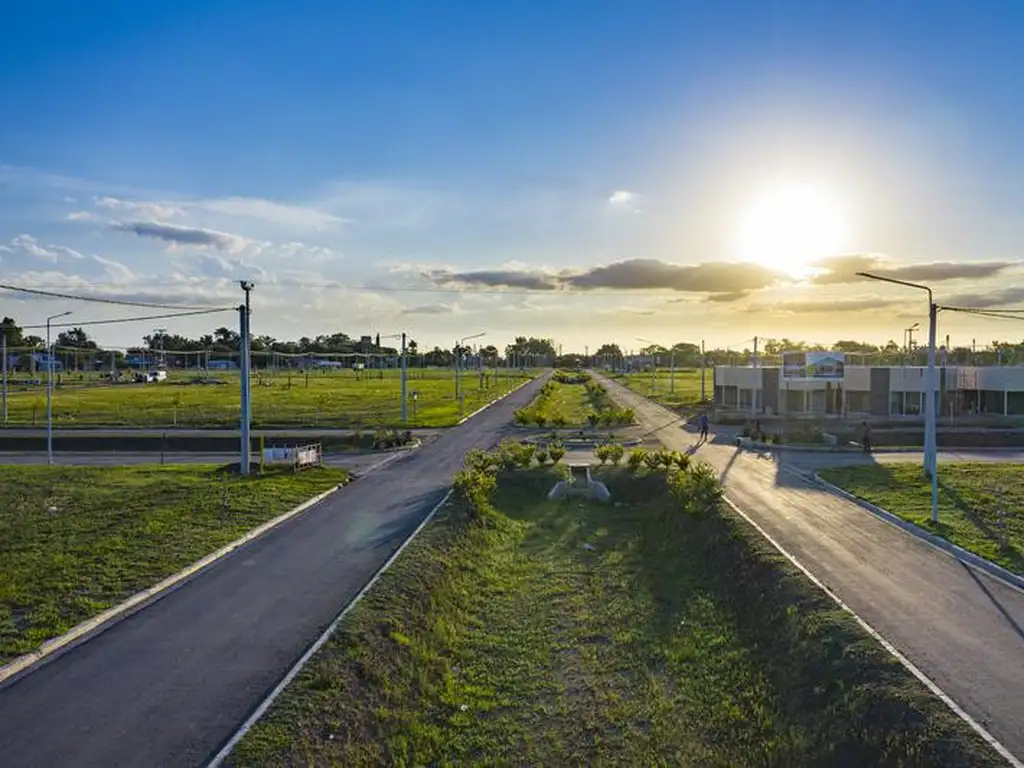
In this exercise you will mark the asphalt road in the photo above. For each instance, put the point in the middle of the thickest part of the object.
(962, 628)
(169, 685)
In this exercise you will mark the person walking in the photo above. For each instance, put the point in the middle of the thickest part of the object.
(704, 427)
(866, 441)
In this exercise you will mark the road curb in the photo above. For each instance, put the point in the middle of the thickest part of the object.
(516, 388)
(319, 643)
(90, 628)
(959, 553)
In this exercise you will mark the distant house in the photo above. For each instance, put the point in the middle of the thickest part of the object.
(42, 362)
(222, 365)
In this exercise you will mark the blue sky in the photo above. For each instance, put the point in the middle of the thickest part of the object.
(513, 167)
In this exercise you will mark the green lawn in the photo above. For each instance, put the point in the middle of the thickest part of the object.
(571, 633)
(117, 530)
(576, 404)
(979, 504)
(325, 399)
(684, 391)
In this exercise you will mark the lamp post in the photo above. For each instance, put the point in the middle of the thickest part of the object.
(908, 342)
(245, 347)
(654, 363)
(405, 412)
(49, 387)
(458, 361)
(930, 443)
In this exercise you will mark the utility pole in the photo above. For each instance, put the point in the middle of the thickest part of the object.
(244, 313)
(702, 365)
(754, 384)
(3, 347)
(405, 415)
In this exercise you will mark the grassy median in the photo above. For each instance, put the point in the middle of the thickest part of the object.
(648, 632)
(75, 541)
(672, 391)
(979, 503)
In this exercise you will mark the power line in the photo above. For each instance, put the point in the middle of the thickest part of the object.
(116, 320)
(99, 300)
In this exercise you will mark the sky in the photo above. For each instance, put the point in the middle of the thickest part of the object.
(591, 171)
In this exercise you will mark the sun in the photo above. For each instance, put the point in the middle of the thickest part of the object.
(791, 227)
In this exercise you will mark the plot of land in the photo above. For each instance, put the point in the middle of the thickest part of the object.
(683, 391)
(567, 633)
(573, 400)
(75, 541)
(325, 399)
(981, 506)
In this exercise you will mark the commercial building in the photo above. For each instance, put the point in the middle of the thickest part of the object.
(880, 391)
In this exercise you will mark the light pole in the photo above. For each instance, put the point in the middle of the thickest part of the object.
(245, 337)
(908, 343)
(458, 361)
(405, 414)
(49, 387)
(931, 462)
(654, 362)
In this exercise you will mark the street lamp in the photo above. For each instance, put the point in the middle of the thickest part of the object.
(404, 374)
(930, 443)
(49, 387)
(458, 359)
(908, 343)
(654, 364)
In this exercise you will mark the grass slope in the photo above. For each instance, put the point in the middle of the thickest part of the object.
(324, 399)
(117, 531)
(970, 499)
(678, 640)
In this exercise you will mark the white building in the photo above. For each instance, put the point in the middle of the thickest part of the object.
(872, 390)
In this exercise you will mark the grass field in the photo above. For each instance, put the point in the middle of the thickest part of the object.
(686, 390)
(980, 505)
(320, 399)
(570, 633)
(116, 531)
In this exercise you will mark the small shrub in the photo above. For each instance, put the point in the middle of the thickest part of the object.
(556, 451)
(542, 457)
(615, 453)
(683, 461)
(540, 420)
(603, 453)
(697, 490)
(559, 420)
(652, 460)
(636, 458)
(479, 461)
(475, 488)
(776, 439)
(522, 416)
(593, 419)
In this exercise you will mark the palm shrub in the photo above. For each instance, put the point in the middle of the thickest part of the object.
(556, 451)
(542, 457)
(636, 458)
(615, 453)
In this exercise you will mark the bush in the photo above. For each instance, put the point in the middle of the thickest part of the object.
(542, 457)
(652, 460)
(474, 488)
(556, 451)
(615, 453)
(593, 419)
(559, 420)
(683, 461)
(698, 489)
(522, 416)
(603, 453)
(636, 458)
(540, 420)
(480, 461)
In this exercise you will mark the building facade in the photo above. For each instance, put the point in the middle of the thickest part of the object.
(882, 391)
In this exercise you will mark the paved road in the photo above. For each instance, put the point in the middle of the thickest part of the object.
(169, 685)
(964, 629)
(178, 432)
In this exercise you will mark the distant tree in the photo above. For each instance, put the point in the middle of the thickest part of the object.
(12, 332)
(75, 338)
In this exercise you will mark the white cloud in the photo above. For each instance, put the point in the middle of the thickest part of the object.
(624, 200)
(80, 216)
(28, 245)
(149, 210)
(296, 216)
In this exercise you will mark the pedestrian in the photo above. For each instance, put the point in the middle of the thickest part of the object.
(866, 442)
(704, 427)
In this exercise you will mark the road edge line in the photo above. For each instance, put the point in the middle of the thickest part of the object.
(25, 664)
(907, 663)
(1006, 576)
(319, 643)
(482, 408)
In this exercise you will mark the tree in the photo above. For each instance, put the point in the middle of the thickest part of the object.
(76, 338)
(12, 332)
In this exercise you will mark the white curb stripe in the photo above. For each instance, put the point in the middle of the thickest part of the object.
(495, 400)
(219, 758)
(928, 682)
